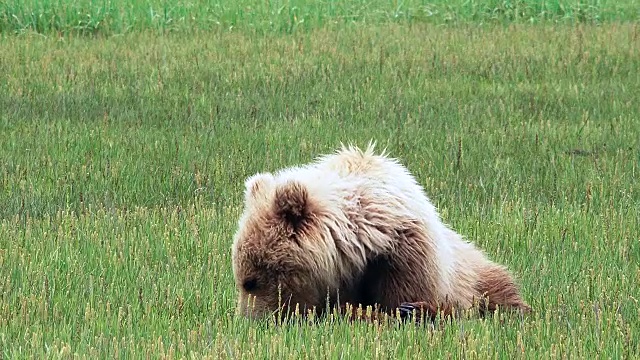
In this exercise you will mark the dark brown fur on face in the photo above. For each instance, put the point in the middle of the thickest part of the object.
(355, 229)
(273, 258)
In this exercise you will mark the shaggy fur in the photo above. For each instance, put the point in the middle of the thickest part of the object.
(356, 228)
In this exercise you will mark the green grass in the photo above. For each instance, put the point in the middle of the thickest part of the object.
(288, 16)
(122, 161)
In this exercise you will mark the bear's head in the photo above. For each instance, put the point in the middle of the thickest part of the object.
(283, 253)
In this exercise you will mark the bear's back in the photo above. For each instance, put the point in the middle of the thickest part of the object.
(384, 174)
(393, 183)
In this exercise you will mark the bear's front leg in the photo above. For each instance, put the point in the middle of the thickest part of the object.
(423, 311)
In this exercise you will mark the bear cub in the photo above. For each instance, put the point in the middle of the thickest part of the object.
(354, 227)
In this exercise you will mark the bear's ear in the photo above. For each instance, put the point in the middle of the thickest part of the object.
(257, 185)
(293, 205)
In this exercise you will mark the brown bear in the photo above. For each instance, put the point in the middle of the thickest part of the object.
(356, 228)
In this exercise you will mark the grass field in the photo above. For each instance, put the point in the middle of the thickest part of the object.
(291, 16)
(123, 156)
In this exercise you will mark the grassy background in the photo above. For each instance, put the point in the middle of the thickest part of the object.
(122, 160)
(289, 16)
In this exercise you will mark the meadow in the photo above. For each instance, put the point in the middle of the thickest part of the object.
(124, 146)
(289, 16)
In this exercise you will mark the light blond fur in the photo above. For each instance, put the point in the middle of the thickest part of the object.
(355, 226)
